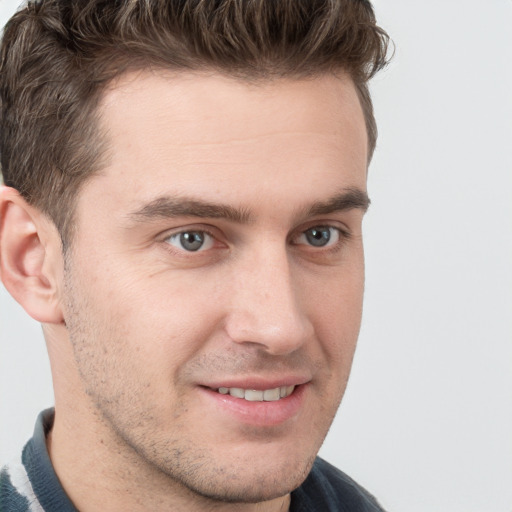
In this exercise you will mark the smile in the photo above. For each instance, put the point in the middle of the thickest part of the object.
(255, 395)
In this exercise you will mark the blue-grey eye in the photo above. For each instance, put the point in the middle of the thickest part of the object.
(191, 241)
(320, 236)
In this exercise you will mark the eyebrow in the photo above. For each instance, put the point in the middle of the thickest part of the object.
(349, 199)
(172, 207)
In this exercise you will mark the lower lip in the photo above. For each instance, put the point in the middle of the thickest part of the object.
(259, 413)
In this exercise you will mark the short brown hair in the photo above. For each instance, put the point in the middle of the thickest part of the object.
(57, 56)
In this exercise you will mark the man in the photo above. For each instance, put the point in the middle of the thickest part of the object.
(185, 186)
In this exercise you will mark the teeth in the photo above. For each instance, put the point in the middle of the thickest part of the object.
(237, 392)
(254, 395)
(271, 395)
(286, 391)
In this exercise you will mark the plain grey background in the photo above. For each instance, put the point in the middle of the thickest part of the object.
(426, 423)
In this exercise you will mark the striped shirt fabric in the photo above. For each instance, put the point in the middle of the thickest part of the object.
(30, 483)
(16, 490)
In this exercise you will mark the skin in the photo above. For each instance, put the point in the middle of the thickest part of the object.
(138, 328)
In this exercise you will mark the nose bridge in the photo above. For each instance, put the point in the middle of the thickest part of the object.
(267, 308)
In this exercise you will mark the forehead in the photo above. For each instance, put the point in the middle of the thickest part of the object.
(208, 109)
(216, 104)
(169, 134)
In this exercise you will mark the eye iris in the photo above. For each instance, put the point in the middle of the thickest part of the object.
(192, 240)
(318, 236)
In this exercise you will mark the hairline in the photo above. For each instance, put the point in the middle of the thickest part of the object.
(68, 228)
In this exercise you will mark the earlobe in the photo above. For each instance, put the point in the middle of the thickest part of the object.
(26, 245)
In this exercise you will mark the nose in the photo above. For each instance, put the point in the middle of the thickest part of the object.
(268, 306)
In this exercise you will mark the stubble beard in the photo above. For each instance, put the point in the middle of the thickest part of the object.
(172, 460)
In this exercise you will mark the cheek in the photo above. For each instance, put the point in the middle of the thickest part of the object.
(336, 308)
(165, 318)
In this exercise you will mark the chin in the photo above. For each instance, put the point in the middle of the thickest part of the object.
(245, 483)
(253, 490)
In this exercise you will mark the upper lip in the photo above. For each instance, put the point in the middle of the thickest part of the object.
(258, 383)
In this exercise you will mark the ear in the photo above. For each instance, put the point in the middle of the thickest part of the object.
(30, 257)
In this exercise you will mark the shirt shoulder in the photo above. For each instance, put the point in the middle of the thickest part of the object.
(30, 483)
(16, 492)
(330, 490)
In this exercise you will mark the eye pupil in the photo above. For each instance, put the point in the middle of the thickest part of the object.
(192, 240)
(318, 236)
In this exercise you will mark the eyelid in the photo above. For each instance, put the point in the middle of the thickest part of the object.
(330, 243)
(201, 228)
(344, 232)
(208, 241)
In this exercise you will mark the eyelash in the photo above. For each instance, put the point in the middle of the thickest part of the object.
(183, 251)
(343, 236)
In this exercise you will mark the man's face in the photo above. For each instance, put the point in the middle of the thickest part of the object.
(213, 289)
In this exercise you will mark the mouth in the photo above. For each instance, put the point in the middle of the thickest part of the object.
(257, 404)
(257, 395)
